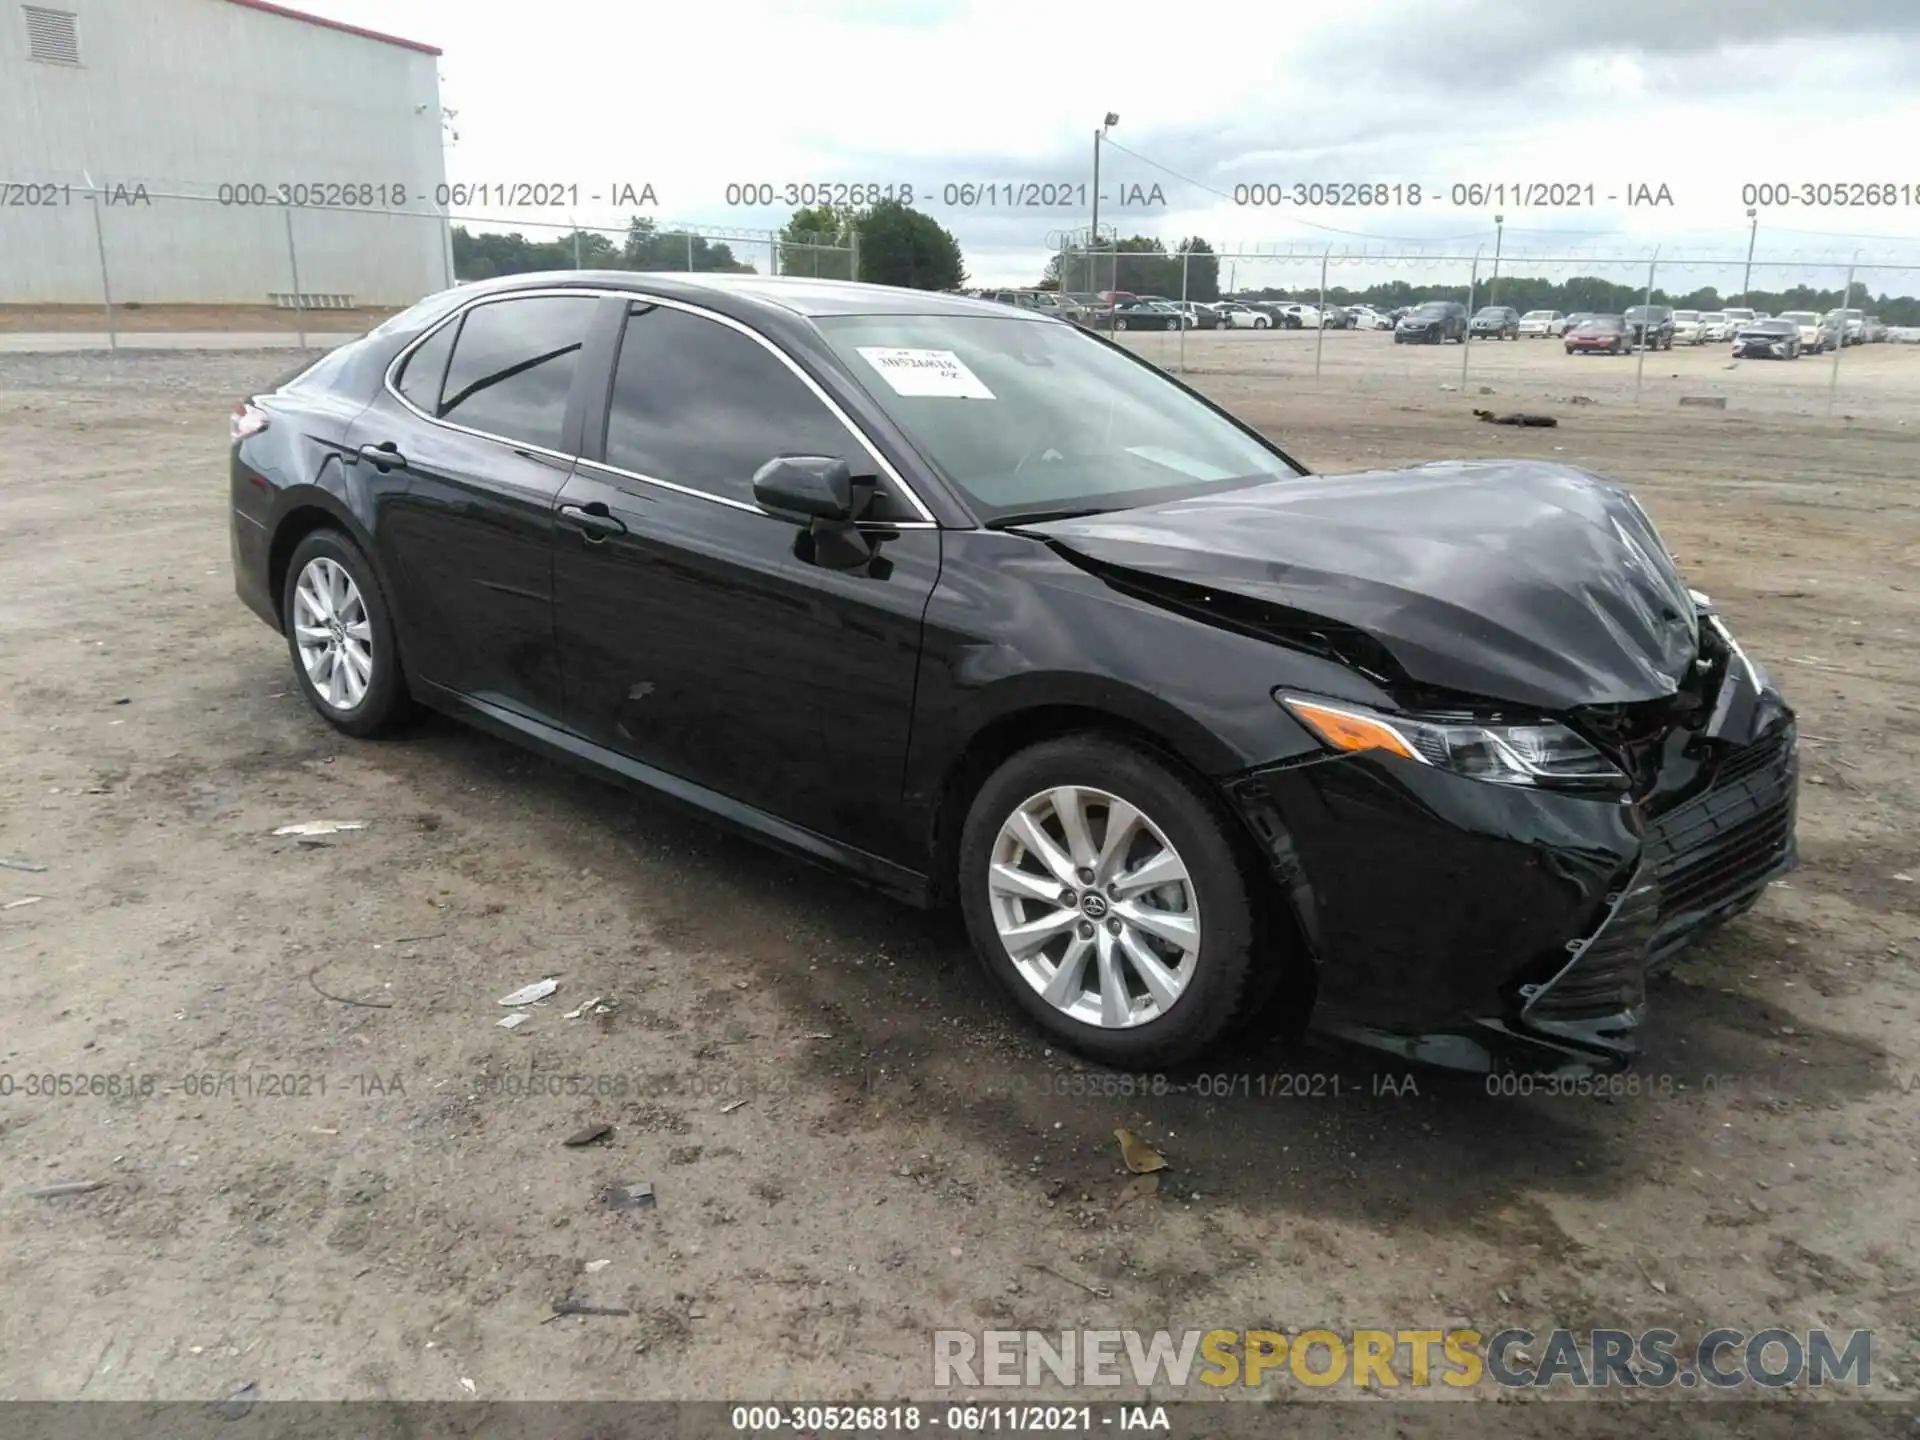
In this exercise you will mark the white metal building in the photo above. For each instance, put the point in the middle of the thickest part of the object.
(151, 138)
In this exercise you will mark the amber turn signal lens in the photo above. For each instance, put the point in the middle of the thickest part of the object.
(1344, 730)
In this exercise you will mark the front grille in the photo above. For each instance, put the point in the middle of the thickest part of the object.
(1720, 844)
(1607, 972)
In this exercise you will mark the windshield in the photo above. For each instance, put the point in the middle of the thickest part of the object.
(1431, 310)
(1029, 418)
(1538, 315)
(1799, 317)
(1602, 322)
(1687, 315)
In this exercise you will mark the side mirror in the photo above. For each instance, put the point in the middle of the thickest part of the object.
(806, 488)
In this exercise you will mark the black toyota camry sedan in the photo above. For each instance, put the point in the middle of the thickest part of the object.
(983, 609)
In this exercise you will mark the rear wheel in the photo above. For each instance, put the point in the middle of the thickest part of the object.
(341, 636)
(1101, 891)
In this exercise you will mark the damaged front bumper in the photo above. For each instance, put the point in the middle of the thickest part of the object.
(1494, 928)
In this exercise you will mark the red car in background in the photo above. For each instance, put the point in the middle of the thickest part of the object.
(1606, 333)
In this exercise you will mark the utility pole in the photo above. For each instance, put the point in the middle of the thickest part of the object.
(1499, 229)
(1753, 229)
(1093, 235)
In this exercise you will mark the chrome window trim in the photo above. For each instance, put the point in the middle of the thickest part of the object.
(925, 522)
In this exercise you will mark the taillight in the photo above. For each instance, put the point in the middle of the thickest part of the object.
(247, 419)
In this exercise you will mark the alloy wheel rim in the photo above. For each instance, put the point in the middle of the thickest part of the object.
(333, 632)
(1094, 907)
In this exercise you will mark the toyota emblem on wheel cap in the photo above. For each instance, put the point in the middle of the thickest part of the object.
(1093, 905)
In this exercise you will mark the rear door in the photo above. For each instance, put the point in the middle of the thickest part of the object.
(698, 634)
(485, 434)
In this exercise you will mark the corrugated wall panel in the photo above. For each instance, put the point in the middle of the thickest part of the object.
(183, 97)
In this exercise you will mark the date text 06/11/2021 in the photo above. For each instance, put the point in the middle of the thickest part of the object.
(950, 194)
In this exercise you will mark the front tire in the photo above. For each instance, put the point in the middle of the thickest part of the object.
(340, 635)
(1149, 961)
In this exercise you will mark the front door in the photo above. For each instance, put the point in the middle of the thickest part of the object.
(701, 636)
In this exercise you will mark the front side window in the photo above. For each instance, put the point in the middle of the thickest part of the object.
(1030, 419)
(512, 367)
(426, 369)
(700, 404)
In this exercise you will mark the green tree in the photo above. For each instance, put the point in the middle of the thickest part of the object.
(818, 241)
(650, 248)
(901, 246)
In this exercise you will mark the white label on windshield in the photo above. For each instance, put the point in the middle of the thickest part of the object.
(925, 372)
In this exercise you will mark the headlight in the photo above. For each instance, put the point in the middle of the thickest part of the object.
(1545, 754)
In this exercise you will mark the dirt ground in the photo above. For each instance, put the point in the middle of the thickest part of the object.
(345, 1180)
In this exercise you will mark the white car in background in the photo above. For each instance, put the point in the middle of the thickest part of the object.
(1243, 317)
(1308, 316)
(1689, 328)
(1542, 325)
(1714, 325)
(1365, 317)
(1813, 334)
(1903, 334)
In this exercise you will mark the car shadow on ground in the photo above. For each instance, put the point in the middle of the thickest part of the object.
(1272, 1122)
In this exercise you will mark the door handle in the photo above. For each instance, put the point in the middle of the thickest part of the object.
(383, 457)
(594, 519)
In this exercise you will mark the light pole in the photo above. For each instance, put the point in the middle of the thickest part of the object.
(1499, 229)
(1753, 229)
(1093, 234)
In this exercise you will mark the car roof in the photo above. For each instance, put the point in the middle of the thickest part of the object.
(740, 295)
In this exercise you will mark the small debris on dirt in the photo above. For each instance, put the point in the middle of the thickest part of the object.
(1486, 389)
(342, 999)
(23, 900)
(568, 1307)
(1536, 422)
(1705, 402)
(527, 994)
(1581, 400)
(594, 1267)
(587, 1136)
(513, 1021)
(1099, 1292)
(1903, 877)
(65, 1187)
(123, 700)
(321, 827)
(239, 1402)
(468, 1386)
(637, 1196)
(733, 1105)
(578, 1010)
(14, 862)
(313, 842)
(1140, 1158)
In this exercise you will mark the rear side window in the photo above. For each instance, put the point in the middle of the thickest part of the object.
(702, 405)
(426, 369)
(513, 366)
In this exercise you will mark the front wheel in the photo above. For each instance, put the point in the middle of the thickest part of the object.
(1102, 892)
(341, 637)
(1119, 324)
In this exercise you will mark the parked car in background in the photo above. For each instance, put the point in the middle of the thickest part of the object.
(1736, 318)
(1850, 324)
(1903, 334)
(1297, 315)
(1496, 322)
(1651, 326)
(1243, 317)
(1815, 333)
(1433, 323)
(1365, 317)
(1600, 334)
(1446, 757)
(1876, 330)
(1715, 326)
(1047, 302)
(1138, 314)
(1768, 340)
(1202, 314)
(1335, 317)
(1542, 325)
(1688, 328)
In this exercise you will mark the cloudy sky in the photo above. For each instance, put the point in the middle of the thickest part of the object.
(1699, 96)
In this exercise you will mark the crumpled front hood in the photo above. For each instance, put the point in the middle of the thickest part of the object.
(1521, 581)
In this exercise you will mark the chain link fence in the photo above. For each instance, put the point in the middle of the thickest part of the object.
(1325, 315)
(321, 262)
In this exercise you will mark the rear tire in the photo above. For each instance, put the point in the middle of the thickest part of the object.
(1150, 1004)
(341, 638)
